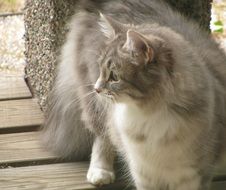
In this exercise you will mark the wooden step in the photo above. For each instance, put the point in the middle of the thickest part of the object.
(21, 148)
(12, 87)
(25, 147)
(19, 114)
(68, 176)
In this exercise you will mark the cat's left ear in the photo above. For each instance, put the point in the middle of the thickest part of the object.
(109, 26)
(138, 45)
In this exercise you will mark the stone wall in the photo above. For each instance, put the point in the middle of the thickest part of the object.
(45, 31)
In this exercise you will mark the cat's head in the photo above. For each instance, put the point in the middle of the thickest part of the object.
(133, 66)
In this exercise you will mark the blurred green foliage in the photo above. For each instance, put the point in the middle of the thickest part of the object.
(219, 26)
(219, 17)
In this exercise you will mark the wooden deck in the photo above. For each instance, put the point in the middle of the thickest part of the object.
(24, 164)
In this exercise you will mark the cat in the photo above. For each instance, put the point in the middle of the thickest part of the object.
(138, 79)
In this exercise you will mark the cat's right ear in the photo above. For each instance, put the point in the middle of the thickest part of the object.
(137, 44)
(109, 26)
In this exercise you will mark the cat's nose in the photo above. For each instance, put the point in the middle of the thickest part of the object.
(98, 90)
(99, 85)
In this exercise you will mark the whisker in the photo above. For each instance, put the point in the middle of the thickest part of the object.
(87, 85)
(79, 99)
(100, 116)
(102, 113)
(92, 51)
(90, 104)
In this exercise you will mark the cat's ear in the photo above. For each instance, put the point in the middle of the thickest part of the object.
(109, 26)
(138, 45)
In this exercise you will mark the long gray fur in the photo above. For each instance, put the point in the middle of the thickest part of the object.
(190, 79)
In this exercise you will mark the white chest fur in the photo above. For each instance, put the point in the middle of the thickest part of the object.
(143, 138)
(130, 120)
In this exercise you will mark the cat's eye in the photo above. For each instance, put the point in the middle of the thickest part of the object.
(109, 63)
(113, 77)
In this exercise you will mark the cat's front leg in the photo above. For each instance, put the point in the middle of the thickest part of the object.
(101, 165)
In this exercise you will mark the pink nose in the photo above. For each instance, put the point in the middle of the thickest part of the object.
(98, 90)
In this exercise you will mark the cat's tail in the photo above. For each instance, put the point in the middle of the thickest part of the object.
(63, 131)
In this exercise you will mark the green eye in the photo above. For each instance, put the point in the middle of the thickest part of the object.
(113, 77)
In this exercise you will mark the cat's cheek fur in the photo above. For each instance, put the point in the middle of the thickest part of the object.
(141, 140)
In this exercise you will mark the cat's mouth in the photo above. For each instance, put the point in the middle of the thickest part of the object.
(108, 95)
(103, 92)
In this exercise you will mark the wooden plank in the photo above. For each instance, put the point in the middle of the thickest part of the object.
(26, 147)
(22, 147)
(218, 185)
(69, 176)
(20, 113)
(13, 88)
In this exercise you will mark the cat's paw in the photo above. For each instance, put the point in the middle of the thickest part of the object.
(98, 176)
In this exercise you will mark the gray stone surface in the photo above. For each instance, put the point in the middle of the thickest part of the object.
(45, 31)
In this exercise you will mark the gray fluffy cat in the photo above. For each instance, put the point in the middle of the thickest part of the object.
(141, 80)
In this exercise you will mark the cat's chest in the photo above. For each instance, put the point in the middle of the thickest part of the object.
(149, 141)
(127, 116)
(134, 124)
